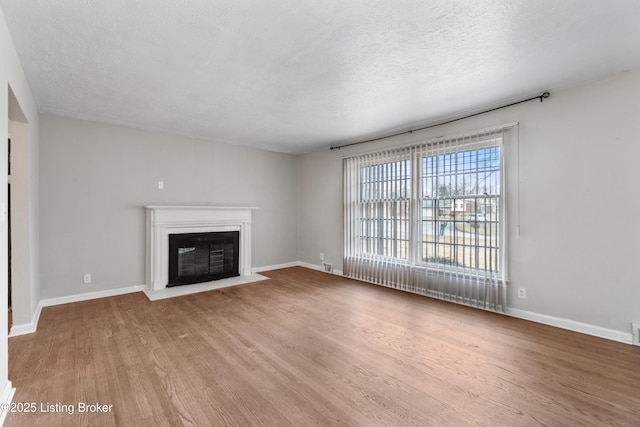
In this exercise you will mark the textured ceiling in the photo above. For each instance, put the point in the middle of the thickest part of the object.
(297, 75)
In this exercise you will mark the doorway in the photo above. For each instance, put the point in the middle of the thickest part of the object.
(17, 212)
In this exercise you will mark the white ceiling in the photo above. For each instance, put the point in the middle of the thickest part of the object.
(297, 75)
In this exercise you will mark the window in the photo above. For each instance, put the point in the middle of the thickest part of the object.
(429, 218)
(460, 215)
(384, 203)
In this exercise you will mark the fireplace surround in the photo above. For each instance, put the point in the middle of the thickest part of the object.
(163, 221)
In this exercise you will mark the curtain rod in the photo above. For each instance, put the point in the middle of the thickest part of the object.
(541, 97)
(476, 132)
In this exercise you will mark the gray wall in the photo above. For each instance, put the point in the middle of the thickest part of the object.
(96, 178)
(579, 208)
(574, 203)
(17, 104)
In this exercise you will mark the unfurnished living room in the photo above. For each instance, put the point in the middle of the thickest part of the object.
(382, 213)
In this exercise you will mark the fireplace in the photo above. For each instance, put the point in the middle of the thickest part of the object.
(165, 221)
(202, 257)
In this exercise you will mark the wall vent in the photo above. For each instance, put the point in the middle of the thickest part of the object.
(328, 267)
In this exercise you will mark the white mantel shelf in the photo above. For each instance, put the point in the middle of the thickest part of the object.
(165, 220)
(177, 207)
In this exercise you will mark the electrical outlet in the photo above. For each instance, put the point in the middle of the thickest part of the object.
(522, 293)
(321, 256)
(86, 278)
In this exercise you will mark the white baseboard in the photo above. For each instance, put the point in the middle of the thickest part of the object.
(5, 399)
(571, 325)
(318, 268)
(294, 264)
(275, 267)
(91, 295)
(27, 328)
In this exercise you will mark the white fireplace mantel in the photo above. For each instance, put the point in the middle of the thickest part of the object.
(165, 220)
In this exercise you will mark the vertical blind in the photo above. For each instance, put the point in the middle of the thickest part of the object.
(429, 218)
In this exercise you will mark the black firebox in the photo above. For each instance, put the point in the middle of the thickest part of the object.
(203, 257)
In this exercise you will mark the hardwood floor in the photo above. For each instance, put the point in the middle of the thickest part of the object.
(307, 348)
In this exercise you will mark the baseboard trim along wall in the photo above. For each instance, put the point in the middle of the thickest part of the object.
(275, 267)
(91, 295)
(598, 331)
(295, 264)
(29, 328)
(5, 399)
(571, 325)
(319, 268)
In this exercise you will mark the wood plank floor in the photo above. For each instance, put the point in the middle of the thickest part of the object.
(306, 348)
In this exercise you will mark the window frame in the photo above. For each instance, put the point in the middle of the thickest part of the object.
(414, 198)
